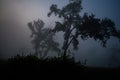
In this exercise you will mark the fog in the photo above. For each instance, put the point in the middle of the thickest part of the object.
(15, 34)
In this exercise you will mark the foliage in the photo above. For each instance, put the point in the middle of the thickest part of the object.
(43, 38)
(43, 62)
(87, 26)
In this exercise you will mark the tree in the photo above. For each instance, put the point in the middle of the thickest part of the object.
(87, 26)
(43, 38)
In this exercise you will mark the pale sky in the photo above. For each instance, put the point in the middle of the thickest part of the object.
(15, 34)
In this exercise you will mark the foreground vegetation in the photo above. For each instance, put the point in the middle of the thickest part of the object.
(33, 67)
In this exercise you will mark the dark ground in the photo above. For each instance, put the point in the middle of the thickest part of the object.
(54, 68)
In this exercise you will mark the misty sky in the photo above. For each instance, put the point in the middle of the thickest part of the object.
(15, 34)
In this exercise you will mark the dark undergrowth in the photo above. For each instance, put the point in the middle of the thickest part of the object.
(32, 67)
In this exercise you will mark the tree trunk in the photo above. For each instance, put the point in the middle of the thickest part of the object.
(66, 40)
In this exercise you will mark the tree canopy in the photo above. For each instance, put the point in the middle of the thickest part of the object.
(87, 26)
(43, 38)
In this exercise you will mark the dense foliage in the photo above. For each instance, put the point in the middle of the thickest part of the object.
(76, 26)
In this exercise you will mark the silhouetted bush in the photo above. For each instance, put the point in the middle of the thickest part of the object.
(31, 59)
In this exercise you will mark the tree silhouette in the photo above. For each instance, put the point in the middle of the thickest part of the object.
(87, 26)
(43, 38)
